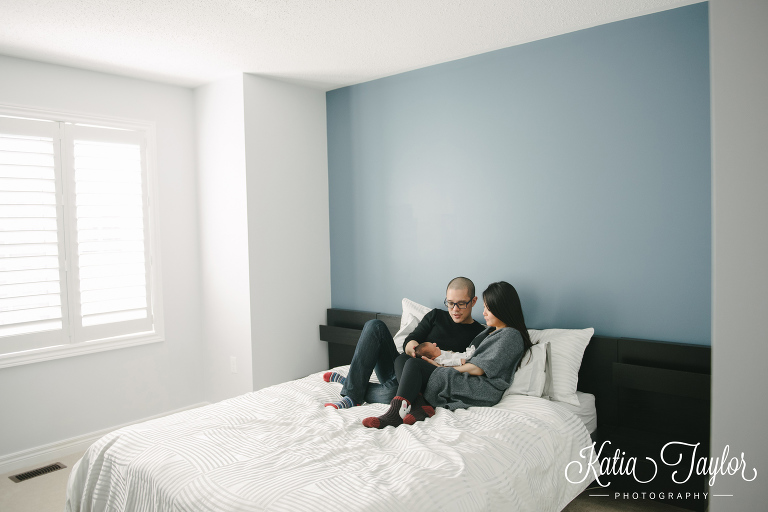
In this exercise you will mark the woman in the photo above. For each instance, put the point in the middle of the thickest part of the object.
(481, 381)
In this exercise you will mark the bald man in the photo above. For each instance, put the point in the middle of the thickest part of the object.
(452, 330)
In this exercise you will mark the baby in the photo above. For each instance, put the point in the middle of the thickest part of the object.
(443, 357)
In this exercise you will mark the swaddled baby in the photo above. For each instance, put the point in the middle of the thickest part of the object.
(443, 357)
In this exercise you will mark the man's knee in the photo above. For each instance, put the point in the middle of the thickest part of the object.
(374, 328)
(374, 324)
(371, 335)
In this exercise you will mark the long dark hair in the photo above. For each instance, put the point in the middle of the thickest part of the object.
(502, 300)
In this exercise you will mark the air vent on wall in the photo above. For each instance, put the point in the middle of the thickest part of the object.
(37, 472)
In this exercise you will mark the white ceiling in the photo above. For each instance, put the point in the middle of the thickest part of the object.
(322, 43)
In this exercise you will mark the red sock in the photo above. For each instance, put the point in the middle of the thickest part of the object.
(399, 408)
(420, 411)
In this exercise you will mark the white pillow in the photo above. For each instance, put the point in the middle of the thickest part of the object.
(412, 315)
(405, 331)
(530, 377)
(567, 348)
(412, 309)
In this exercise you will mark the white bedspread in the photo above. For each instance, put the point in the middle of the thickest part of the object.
(279, 449)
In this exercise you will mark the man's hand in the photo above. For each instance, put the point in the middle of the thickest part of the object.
(410, 348)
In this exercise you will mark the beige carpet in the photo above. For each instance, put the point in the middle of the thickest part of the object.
(586, 503)
(45, 493)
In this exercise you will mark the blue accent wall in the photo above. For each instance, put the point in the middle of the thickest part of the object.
(576, 167)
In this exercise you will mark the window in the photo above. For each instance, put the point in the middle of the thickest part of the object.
(77, 263)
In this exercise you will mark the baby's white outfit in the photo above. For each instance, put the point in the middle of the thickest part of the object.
(448, 358)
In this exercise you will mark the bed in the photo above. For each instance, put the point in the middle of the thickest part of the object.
(280, 449)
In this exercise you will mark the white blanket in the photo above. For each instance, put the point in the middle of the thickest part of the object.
(279, 449)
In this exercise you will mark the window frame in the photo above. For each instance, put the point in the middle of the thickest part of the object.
(154, 277)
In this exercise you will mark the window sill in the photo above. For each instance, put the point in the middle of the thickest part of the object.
(77, 349)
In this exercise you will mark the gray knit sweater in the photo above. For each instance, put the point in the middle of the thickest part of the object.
(498, 353)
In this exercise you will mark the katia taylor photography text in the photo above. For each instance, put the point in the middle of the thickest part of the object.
(682, 456)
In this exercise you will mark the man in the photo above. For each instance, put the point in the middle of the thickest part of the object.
(452, 330)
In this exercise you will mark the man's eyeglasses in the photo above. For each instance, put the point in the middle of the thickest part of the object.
(461, 305)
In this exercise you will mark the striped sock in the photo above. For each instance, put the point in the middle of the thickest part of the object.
(344, 403)
(334, 377)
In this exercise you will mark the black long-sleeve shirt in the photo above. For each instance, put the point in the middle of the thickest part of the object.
(437, 326)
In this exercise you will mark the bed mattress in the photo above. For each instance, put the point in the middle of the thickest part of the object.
(279, 449)
(585, 411)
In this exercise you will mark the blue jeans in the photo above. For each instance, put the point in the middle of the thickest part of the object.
(375, 351)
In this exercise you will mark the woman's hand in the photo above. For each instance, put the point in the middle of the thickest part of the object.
(410, 348)
(431, 361)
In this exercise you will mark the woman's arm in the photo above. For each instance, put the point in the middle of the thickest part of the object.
(470, 369)
(464, 368)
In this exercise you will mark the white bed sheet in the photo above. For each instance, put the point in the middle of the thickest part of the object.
(279, 449)
(585, 411)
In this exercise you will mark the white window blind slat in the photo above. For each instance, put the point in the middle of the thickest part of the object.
(106, 247)
(113, 306)
(38, 275)
(27, 224)
(20, 158)
(30, 327)
(109, 187)
(32, 262)
(35, 301)
(27, 237)
(29, 315)
(100, 271)
(122, 316)
(29, 289)
(113, 293)
(105, 283)
(27, 185)
(8, 197)
(110, 258)
(10, 251)
(26, 171)
(114, 212)
(27, 211)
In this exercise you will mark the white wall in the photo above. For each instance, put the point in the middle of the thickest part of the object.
(738, 45)
(49, 401)
(223, 238)
(288, 233)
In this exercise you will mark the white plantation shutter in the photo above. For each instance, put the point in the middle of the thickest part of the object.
(32, 312)
(111, 253)
(75, 255)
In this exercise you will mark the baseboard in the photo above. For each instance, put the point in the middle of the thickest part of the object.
(39, 455)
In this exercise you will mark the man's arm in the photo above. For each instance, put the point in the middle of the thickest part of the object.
(420, 333)
(410, 347)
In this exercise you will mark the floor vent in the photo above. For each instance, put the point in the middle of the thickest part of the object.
(37, 472)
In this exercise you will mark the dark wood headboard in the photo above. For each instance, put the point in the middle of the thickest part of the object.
(646, 392)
